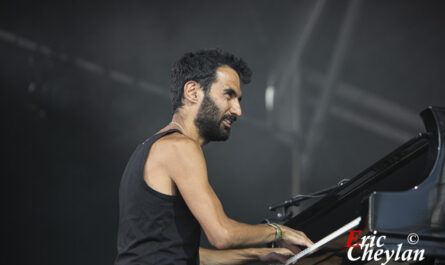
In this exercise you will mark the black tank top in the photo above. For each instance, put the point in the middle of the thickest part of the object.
(154, 228)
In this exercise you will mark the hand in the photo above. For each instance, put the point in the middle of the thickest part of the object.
(294, 248)
(272, 255)
(292, 237)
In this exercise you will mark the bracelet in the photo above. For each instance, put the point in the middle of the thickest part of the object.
(279, 232)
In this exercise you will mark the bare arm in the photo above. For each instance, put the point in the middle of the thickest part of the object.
(189, 173)
(243, 256)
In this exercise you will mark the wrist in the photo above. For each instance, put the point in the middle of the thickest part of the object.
(285, 233)
(259, 253)
(251, 254)
(278, 231)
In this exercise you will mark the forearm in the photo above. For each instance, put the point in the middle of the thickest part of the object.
(229, 257)
(242, 235)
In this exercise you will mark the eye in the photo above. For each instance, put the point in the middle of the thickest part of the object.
(230, 94)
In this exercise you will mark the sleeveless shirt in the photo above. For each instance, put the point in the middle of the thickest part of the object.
(154, 228)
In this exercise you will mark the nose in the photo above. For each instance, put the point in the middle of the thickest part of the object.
(236, 108)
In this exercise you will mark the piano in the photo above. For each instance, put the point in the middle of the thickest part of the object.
(402, 194)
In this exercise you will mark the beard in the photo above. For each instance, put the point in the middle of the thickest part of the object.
(209, 121)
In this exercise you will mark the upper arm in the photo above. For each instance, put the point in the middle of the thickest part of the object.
(189, 172)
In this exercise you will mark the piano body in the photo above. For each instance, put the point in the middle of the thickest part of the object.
(403, 193)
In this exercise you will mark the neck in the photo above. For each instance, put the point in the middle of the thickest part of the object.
(188, 127)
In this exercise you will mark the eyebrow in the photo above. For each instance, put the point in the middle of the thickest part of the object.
(232, 92)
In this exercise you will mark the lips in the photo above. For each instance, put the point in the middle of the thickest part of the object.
(228, 120)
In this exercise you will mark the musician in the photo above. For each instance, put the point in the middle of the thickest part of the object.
(165, 197)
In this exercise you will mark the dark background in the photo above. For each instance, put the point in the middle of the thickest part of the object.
(82, 83)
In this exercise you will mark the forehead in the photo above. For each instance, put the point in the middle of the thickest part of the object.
(226, 77)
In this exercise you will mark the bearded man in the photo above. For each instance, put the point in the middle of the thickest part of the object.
(165, 197)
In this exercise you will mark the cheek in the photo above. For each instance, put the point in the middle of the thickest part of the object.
(221, 104)
(224, 104)
(224, 108)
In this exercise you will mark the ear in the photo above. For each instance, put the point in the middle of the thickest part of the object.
(192, 91)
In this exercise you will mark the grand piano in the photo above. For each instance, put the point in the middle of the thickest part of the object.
(401, 194)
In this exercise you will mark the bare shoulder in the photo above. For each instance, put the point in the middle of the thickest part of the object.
(176, 146)
(179, 156)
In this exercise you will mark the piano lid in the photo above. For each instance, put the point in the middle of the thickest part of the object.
(402, 193)
(421, 209)
(400, 170)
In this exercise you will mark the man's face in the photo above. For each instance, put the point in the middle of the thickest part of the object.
(220, 106)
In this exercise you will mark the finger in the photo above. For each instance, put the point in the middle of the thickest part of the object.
(299, 242)
(282, 259)
(299, 238)
(305, 241)
(295, 249)
(283, 251)
(273, 257)
(308, 242)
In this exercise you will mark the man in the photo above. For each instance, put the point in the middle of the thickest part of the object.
(165, 197)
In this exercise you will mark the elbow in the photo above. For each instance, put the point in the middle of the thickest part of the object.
(222, 240)
(220, 244)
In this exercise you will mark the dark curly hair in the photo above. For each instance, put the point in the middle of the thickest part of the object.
(200, 66)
